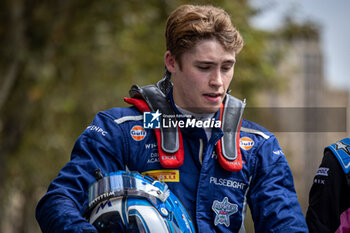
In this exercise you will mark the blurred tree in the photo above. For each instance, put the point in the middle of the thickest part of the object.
(63, 61)
(292, 30)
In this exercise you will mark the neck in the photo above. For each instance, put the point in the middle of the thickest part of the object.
(198, 116)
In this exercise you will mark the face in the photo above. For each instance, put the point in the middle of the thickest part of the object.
(206, 72)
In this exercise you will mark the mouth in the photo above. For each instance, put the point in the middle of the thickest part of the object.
(213, 97)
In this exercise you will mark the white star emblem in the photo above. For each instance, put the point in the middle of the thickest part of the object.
(156, 115)
(342, 146)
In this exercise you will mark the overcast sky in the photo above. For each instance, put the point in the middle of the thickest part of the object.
(332, 15)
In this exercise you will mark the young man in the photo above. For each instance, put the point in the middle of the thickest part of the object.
(215, 171)
(329, 200)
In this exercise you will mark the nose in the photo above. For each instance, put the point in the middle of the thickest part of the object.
(216, 78)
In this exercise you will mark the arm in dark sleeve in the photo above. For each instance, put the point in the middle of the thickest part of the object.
(325, 196)
(63, 206)
(273, 200)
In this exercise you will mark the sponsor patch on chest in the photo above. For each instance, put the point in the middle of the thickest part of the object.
(164, 175)
(246, 143)
(138, 133)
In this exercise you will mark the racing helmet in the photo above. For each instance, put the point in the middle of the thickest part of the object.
(130, 202)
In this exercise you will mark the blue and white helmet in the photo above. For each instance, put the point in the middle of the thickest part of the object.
(130, 202)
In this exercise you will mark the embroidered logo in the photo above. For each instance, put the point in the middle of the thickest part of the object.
(138, 133)
(342, 146)
(223, 211)
(319, 181)
(97, 129)
(246, 143)
(153, 158)
(151, 120)
(322, 171)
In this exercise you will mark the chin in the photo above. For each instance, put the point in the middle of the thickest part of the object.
(210, 109)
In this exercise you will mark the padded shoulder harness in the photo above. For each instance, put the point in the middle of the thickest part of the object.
(231, 124)
(155, 97)
(228, 150)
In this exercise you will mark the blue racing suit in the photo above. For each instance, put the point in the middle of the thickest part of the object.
(216, 199)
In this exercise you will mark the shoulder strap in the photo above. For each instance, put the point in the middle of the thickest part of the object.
(229, 153)
(231, 124)
(155, 97)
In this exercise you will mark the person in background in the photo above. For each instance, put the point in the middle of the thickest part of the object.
(329, 199)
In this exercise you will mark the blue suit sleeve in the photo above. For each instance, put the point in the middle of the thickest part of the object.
(63, 206)
(273, 200)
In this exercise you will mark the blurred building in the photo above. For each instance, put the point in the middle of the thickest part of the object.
(311, 113)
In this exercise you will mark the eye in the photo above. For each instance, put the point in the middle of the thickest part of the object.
(226, 68)
(203, 67)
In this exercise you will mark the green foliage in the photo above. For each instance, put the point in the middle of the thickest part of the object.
(292, 30)
(72, 59)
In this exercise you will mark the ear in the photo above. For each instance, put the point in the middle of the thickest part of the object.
(170, 62)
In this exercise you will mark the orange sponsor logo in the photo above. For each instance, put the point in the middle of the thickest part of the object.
(246, 143)
(164, 175)
(138, 133)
